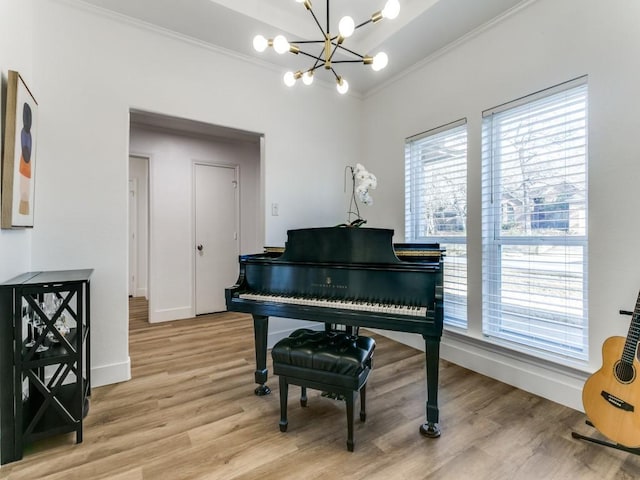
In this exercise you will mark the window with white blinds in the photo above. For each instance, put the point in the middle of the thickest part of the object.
(436, 206)
(534, 211)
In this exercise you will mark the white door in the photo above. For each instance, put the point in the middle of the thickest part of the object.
(216, 235)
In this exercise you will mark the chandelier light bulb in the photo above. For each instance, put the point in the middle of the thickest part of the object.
(342, 86)
(280, 44)
(346, 26)
(380, 61)
(260, 43)
(391, 9)
(307, 78)
(289, 79)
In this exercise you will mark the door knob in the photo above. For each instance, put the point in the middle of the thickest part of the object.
(199, 247)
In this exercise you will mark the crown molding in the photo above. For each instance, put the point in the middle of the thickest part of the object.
(448, 48)
(140, 24)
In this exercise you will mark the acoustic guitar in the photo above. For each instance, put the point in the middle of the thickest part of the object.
(611, 396)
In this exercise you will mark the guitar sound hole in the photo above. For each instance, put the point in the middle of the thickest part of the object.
(625, 372)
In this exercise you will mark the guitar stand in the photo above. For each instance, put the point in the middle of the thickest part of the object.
(617, 446)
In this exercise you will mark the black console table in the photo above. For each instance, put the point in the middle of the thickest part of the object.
(44, 357)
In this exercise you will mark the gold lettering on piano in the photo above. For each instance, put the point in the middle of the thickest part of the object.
(328, 283)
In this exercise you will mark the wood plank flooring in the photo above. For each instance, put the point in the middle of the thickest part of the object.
(190, 413)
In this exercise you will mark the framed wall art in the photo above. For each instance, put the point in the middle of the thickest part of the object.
(19, 160)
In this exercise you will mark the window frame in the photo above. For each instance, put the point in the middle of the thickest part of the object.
(494, 241)
(414, 188)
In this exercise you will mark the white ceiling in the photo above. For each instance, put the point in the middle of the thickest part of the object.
(423, 28)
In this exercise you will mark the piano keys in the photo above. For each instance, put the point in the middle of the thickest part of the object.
(351, 276)
(359, 305)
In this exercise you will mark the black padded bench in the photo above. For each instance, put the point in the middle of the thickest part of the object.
(330, 361)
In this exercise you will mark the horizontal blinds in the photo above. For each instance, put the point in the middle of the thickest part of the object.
(436, 184)
(455, 284)
(535, 221)
(436, 205)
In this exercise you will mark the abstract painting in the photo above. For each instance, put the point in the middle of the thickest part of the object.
(19, 162)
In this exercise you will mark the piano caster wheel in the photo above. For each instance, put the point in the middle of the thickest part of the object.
(283, 426)
(430, 430)
(262, 390)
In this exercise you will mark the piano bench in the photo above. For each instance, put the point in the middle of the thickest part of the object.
(330, 361)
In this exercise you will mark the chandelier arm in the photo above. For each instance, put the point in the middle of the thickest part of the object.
(363, 24)
(316, 20)
(295, 42)
(317, 59)
(350, 51)
(339, 46)
(333, 52)
(319, 62)
(346, 61)
(327, 17)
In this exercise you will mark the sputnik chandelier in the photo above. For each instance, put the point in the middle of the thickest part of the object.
(330, 45)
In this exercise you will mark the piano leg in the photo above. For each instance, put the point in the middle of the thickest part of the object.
(260, 328)
(432, 355)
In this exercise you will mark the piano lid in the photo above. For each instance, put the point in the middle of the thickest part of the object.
(340, 245)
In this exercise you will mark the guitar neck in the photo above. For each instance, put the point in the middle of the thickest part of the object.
(631, 344)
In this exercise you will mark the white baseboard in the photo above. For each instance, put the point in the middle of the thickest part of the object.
(286, 330)
(142, 292)
(563, 386)
(108, 374)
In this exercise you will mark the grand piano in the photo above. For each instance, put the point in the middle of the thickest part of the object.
(350, 276)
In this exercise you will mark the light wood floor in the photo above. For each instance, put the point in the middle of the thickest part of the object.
(190, 413)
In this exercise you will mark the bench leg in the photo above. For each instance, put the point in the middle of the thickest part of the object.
(284, 393)
(350, 398)
(363, 402)
(303, 396)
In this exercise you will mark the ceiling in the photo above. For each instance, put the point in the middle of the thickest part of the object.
(422, 28)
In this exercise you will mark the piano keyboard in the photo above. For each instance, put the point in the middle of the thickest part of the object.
(390, 309)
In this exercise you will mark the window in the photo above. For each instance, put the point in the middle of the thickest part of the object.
(534, 209)
(436, 206)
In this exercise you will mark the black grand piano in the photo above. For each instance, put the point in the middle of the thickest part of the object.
(348, 276)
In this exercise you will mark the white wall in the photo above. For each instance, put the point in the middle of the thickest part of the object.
(171, 183)
(16, 53)
(543, 44)
(89, 70)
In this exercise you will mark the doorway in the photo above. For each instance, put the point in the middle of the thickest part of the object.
(138, 226)
(217, 242)
(172, 147)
